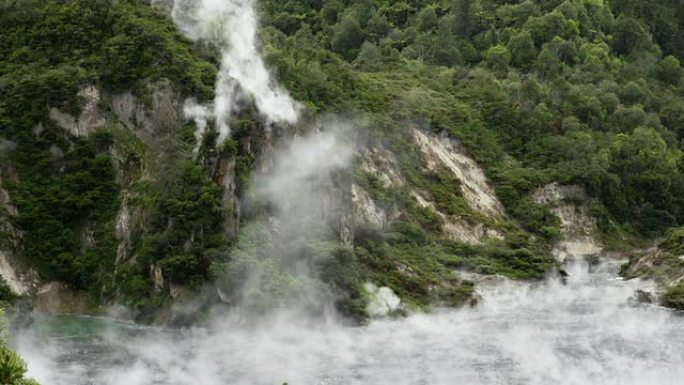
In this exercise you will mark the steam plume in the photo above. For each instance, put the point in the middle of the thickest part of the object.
(574, 334)
(232, 26)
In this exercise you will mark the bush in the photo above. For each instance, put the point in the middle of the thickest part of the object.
(674, 297)
(12, 367)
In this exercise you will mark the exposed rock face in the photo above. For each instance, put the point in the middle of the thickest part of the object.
(90, 118)
(438, 152)
(366, 211)
(158, 278)
(18, 277)
(644, 296)
(443, 151)
(230, 201)
(466, 232)
(577, 225)
(383, 165)
(460, 229)
(150, 123)
(11, 277)
(57, 298)
(661, 274)
(123, 231)
(643, 263)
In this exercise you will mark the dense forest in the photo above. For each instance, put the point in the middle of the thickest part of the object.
(585, 92)
(576, 91)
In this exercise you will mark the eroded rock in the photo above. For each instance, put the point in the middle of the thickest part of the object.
(90, 118)
(577, 224)
(443, 151)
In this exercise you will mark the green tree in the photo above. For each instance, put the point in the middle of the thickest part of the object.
(515, 15)
(523, 51)
(548, 64)
(378, 25)
(630, 35)
(669, 71)
(447, 51)
(633, 93)
(498, 57)
(545, 28)
(464, 10)
(646, 168)
(427, 19)
(347, 37)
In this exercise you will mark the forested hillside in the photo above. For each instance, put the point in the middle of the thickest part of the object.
(574, 91)
(579, 92)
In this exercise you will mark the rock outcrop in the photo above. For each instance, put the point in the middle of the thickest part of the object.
(443, 151)
(578, 227)
(16, 274)
(438, 152)
(90, 118)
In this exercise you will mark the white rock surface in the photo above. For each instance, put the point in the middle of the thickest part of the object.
(10, 276)
(365, 209)
(90, 118)
(577, 224)
(442, 151)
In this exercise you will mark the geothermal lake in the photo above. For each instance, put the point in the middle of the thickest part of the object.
(586, 331)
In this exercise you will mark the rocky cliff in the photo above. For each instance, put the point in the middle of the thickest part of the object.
(186, 155)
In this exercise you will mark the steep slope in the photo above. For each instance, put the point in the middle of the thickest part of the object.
(663, 265)
(571, 205)
(136, 155)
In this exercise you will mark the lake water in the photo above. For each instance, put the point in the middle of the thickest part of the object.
(586, 331)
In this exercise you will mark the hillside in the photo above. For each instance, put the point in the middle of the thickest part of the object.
(462, 114)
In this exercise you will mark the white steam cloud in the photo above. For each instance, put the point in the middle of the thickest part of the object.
(581, 333)
(296, 182)
(232, 26)
(200, 115)
(275, 262)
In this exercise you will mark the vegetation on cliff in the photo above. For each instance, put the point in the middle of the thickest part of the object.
(65, 186)
(576, 91)
(584, 92)
(664, 265)
(587, 92)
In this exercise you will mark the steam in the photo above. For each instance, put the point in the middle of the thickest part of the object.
(296, 184)
(293, 185)
(579, 333)
(231, 25)
(275, 262)
(584, 332)
(382, 300)
(200, 115)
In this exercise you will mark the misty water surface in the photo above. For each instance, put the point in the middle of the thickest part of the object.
(584, 332)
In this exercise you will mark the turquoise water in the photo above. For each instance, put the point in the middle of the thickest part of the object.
(586, 331)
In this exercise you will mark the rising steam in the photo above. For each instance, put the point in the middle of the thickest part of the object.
(582, 332)
(294, 181)
(274, 263)
(231, 25)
